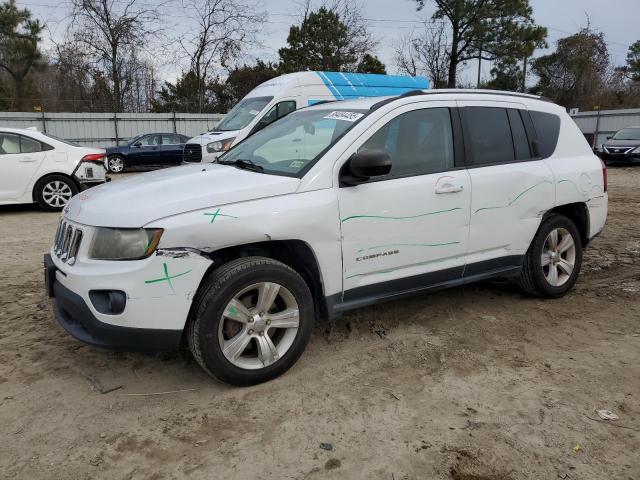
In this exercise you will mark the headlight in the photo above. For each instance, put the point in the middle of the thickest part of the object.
(636, 150)
(220, 146)
(124, 243)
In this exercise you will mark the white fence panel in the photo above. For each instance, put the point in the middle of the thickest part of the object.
(106, 129)
(605, 123)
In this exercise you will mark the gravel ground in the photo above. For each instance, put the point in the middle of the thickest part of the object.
(476, 383)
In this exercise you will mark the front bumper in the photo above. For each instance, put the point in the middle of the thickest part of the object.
(74, 315)
(620, 158)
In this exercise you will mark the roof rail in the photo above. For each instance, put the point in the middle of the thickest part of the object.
(459, 91)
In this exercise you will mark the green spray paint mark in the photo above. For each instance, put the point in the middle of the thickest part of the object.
(390, 245)
(384, 217)
(515, 199)
(566, 180)
(233, 310)
(217, 214)
(167, 278)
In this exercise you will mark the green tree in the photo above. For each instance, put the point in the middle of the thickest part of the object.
(487, 30)
(323, 41)
(371, 64)
(185, 96)
(242, 80)
(633, 62)
(575, 75)
(506, 74)
(19, 52)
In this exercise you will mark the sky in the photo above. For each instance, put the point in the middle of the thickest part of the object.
(389, 22)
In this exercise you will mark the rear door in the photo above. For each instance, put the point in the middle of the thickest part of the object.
(511, 189)
(20, 158)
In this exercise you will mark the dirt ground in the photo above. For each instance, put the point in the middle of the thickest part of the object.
(477, 383)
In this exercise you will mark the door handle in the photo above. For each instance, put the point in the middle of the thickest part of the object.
(27, 159)
(449, 188)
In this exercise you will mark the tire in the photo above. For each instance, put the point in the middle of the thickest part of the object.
(52, 193)
(116, 164)
(213, 333)
(537, 279)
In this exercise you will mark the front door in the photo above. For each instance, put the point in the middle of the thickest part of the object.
(408, 229)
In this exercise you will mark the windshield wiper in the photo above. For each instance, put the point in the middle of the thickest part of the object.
(242, 164)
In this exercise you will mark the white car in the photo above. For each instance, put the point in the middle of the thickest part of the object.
(333, 207)
(37, 167)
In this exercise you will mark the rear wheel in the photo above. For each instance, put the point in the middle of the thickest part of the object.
(54, 192)
(115, 164)
(251, 321)
(553, 262)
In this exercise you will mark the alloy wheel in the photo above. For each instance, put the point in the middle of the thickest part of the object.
(56, 193)
(116, 164)
(558, 257)
(258, 325)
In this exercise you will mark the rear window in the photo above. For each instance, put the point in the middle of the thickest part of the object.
(547, 127)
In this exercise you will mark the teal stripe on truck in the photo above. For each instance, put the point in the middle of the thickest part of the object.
(344, 86)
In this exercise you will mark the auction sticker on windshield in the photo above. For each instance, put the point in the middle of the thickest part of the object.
(346, 116)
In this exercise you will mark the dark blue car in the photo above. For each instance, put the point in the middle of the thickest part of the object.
(150, 149)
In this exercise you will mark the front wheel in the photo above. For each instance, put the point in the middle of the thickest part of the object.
(554, 258)
(251, 321)
(115, 164)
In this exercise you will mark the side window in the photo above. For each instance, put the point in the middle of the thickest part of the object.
(9, 144)
(29, 145)
(150, 140)
(547, 126)
(520, 140)
(489, 133)
(170, 140)
(419, 142)
(276, 112)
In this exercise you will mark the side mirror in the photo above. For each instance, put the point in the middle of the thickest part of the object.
(137, 144)
(364, 165)
(609, 137)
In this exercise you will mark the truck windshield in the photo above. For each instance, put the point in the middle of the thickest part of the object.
(243, 113)
(628, 134)
(292, 144)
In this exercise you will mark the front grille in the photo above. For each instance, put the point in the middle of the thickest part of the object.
(192, 153)
(618, 150)
(67, 242)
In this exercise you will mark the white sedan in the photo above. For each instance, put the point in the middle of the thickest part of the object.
(37, 167)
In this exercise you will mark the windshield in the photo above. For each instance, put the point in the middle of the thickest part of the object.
(293, 143)
(243, 113)
(135, 139)
(628, 134)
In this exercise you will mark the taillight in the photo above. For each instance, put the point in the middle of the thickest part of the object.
(604, 175)
(94, 157)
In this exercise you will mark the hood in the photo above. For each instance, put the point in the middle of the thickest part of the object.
(136, 201)
(208, 137)
(621, 143)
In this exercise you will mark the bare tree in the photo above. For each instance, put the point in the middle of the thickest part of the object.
(225, 28)
(113, 32)
(426, 54)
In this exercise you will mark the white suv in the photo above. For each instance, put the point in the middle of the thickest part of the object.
(333, 207)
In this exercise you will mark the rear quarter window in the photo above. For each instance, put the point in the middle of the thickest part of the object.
(547, 126)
